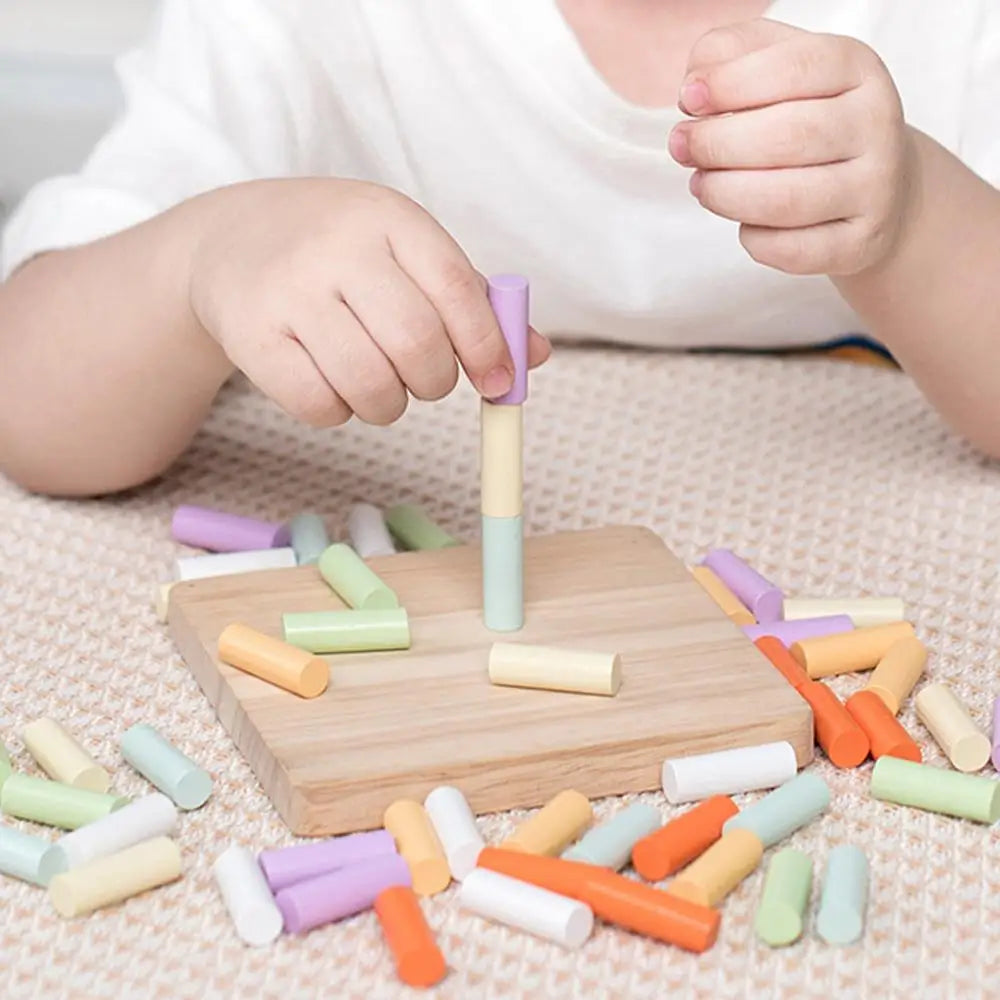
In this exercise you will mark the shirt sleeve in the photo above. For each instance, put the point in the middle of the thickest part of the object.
(979, 139)
(210, 99)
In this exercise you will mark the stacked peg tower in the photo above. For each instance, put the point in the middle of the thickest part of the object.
(502, 437)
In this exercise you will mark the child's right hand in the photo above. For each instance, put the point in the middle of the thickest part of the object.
(340, 297)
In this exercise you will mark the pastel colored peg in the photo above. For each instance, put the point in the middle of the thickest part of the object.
(554, 827)
(61, 757)
(53, 803)
(949, 722)
(417, 842)
(844, 898)
(339, 894)
(848, 652)
(898, 671)
(711, 877)
(728, 772)
(509, 297)
(728, 602)
(610, 844)
(296, 670)
(308, 537)
(368, 531)
(415, 531)
(166, 767)
(231, 563)
(759, 595)
(455, 825)
(21, 856)
(555, 669)
(936, 789)
(564, 921)
(781, 912)
(284, 866)
(247, 897)
(218, 531)
(352, 580)
(804, 628)
(863, 611)
(142, 819)
(348, 631)
(116, 877)
(503, 573)
(783, 811)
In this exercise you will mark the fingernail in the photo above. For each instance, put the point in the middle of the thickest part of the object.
(678, 146)
(694, 185)
(694, 97)
(497, 382)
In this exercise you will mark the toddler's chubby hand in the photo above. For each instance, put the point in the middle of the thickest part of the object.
(339, 297)
(800, 138)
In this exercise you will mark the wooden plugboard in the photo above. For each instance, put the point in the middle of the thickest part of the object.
(397, 724)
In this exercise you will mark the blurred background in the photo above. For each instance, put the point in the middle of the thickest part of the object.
(57, 86)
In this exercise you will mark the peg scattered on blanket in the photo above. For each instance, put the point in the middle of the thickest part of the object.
(550, 877)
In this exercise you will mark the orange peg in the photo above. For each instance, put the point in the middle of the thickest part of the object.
(419, 961)
(672, 846)
(613, 898)
(887, 737)
(844, 741)
(786, 664)
(555, 874)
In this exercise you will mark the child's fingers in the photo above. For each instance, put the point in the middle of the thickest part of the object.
(797, 134)
(405, 326)
(783, 199)
(734, 40)
(539, 348)
(287, 373)
(829, 248)
(799, 67)
(355, 366)
(457, 291)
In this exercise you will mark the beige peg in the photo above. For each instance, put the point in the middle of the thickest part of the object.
(515, 664)
(898, 671)
(711, 877)
(411, 828)
(501, 460)
(554, 827)
(952, 727)
(62, 758)
(115, 877)
(848, 652)
(738, 613)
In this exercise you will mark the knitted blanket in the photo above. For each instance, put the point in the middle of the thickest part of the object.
(832, 479)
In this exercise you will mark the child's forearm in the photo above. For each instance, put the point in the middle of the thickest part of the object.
(105, 374)
(933, 302)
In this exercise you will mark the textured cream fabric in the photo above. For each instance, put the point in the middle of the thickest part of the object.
(831, 478)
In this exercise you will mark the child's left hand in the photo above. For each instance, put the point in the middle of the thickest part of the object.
(800, 138)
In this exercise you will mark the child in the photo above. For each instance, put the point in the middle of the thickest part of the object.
(414, 145)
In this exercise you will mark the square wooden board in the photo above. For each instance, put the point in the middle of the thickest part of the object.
(397, 724)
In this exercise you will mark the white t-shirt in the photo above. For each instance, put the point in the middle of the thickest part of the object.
(491, 116)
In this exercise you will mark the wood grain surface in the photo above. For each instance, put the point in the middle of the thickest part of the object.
(399, 723)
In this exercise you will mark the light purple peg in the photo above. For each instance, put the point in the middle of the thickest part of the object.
(508, 295)
(802, 628)
(765, 601)
(287, 865)
(339, 894)
(217, 531)
(995, 756)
